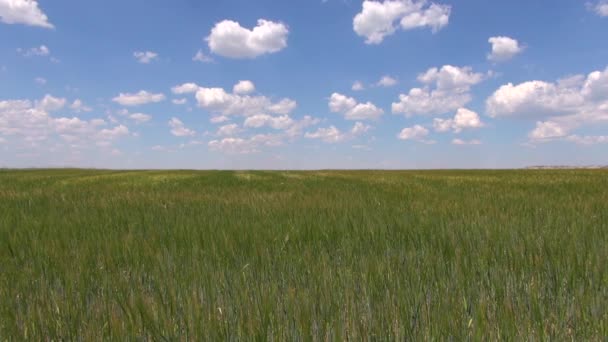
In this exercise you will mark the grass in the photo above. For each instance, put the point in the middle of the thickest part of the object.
(327, 255)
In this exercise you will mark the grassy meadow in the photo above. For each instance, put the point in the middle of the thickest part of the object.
(319, 256)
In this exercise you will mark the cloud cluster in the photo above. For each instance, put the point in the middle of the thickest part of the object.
(221, 103)
(229, 39)
(332, 134)
(378, 20)
(415, 133)
(31, 125)
(445, 89)
(557, 107)
(178, 128)
(352, 110)
(464, 119)
(24, 12)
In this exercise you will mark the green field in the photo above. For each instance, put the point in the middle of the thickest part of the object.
(324, 255)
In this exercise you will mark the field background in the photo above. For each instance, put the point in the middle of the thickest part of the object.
(324, 255)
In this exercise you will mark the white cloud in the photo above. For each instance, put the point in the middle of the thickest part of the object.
(79, 106)
(140, 117)
(378, 19)
(140, 98)
(503, 48)
(358, 86)
(233, 145)
(360, 128)
(32, 126)
(229, 39)
(23, 12)
(40, 80)
(181, 101)
(201, 57)
(43, 50)
(219, 119)
(451, 78)
(114, 133)
(352, 110)
(218, 101)
(566, 104)
(245, 146)
(50, 103)
(243, 88)
(145, 57)
(186, 88)
(600, 8)
(463, 119)
(417, 133)
(450, 90)
(386, 81)
(261, 120)
(332, 134)
(465, 142)
(228, 130)
(178, 129)
(547, 130)
(296, 128)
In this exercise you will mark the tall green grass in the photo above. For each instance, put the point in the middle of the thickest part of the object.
(373, 255)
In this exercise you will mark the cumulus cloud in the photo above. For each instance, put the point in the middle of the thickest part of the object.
(24, 12)
(228, 130)
(145, 57)
(503, 48)
(181, 101)
(243, 88)
(351, 109)
(219, 119)
(358, 86)
(220, 102)
(40, 80)
(276, 122)
(378, 20)
(445, 89)
(140, 98)
(332, 134)
(416, 133)
(463, 119)
(78, 106)
(201, 57)
(386, 81)
(32, 126)
(561, 106)
(245, 146)
(186, 88)
(178, 129)
(229, 39)
(140, 117)
(547, 130)
(50, 103)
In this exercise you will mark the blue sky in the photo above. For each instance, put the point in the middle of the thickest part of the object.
(303, 84)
